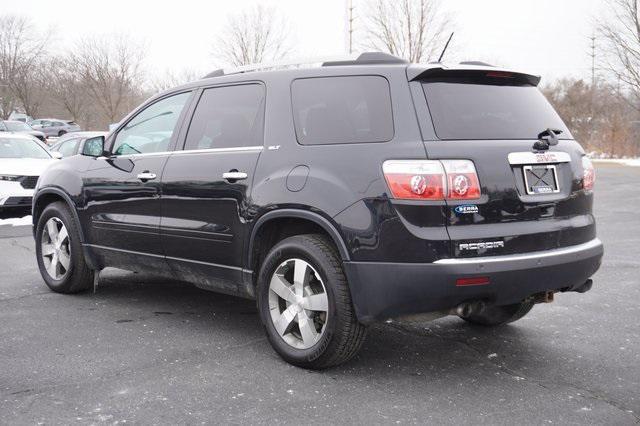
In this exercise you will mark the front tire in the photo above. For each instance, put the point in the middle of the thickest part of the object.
(305, 304)
(492, 316)
(59, 251)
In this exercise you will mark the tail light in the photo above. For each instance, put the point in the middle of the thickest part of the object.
(588, 174)
(462, 180)
(432, 180)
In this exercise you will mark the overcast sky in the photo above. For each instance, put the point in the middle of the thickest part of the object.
(547, 37)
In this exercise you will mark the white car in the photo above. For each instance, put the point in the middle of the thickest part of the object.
(22, 160)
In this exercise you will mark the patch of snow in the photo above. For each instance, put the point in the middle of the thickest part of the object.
(16, 221)
(633, 162)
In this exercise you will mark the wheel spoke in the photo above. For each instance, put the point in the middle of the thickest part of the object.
(279, 286)
(65, 260)
(307, 329)
(316, 302)
(62, 235)
(285, 318)
(52, 268)
(47, 249)
(300, 276)
(52, 230)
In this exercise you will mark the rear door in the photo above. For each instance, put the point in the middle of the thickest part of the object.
(532, 199)
(206, 186)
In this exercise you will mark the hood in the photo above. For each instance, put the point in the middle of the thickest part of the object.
(24, 166)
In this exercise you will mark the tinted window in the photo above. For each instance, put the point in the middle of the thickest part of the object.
(332, 110)
(21, 148)
(227, 117)
(152, 128)
(490, 111)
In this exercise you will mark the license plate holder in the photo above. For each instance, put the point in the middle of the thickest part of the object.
(541, 179)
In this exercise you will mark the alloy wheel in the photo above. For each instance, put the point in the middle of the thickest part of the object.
(298, 303)
(55, 250)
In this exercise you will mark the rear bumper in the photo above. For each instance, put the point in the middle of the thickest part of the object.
(387, 290)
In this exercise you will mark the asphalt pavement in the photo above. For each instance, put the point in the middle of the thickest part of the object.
(145, 350)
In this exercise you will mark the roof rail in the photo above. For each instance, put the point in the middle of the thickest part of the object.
(366, 58)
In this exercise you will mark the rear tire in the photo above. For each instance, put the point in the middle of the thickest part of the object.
(60, 259)
(493, 316)
(318, 338)
(61, 133)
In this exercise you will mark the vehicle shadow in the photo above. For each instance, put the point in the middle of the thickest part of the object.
(440, 350)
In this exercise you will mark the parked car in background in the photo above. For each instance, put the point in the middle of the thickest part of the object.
(20, 127)
(54, 126)
(17, 116)
(73, 143)
(22, 160)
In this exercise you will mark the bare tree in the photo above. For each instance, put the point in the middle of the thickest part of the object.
(411, 29)
(171, 79)
(111, 70)
(69, 90)
(622, 39)
(253, 36)
(21, 53)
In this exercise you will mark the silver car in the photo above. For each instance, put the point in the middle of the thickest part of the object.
(73, 143)
(54, 126)
(20, 127)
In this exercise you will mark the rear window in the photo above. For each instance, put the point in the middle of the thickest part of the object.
(339, 110)
(469, 110)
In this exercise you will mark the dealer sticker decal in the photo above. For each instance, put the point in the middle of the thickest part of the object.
(466, 209)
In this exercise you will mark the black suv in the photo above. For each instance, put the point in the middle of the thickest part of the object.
(336, 196)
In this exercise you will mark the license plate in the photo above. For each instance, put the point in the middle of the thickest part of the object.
(541, 179)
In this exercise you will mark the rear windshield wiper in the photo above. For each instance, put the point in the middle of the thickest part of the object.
(547, 138)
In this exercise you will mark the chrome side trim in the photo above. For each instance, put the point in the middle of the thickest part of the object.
(233, 149)
(528, 256)
(184, 152)
(516, 158)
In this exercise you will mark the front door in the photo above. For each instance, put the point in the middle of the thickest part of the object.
(122, 191)
(206, 187)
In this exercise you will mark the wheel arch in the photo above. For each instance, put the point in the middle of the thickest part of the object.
(315, 220)
(46, 196)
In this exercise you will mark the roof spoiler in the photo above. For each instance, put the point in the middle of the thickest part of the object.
(437, 71)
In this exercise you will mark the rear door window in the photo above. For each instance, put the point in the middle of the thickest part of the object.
(487, 109)
(228, 117)
(340, 110)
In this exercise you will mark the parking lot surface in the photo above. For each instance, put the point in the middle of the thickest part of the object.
(149, 350)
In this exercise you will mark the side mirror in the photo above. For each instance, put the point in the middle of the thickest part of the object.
(94, 147)
(56, 155)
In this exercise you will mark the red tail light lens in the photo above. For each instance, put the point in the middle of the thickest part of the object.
(415, 179)
(432, 179)
(462, 180)
(588, 174)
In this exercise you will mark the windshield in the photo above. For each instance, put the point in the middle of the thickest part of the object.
(470, 110)
(16, 126)
(21, 148)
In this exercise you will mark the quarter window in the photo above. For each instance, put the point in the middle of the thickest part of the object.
(227, 117)
(151, 130)
(338, 110)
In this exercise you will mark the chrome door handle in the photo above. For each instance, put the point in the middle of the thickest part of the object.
(145, 176)
(234, 175)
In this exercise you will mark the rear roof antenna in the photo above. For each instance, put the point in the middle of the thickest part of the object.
(445, 48)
